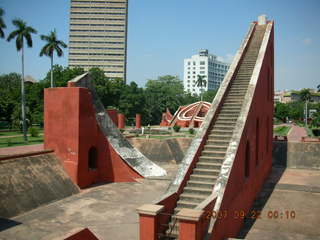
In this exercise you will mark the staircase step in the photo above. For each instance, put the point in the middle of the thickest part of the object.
(213, 153)
(200, 184)
(203, 178)
(201, 191)
(210, 147)
(208, 165)
(211, 159)
(193, 197)
(186, 204)
(210, 171)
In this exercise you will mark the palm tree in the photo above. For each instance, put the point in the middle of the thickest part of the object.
(53, 44)
(305, 96)
(2, 24)
(22, 32)
(201, 82)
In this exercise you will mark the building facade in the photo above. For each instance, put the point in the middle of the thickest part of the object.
(98, 36)
(203, 64)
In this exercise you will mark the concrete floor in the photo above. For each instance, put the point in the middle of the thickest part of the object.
(290, 190)
(109, 210)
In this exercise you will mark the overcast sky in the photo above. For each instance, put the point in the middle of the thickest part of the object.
(163, 33)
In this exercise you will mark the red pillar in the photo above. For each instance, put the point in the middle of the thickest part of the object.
(149, 221)
(190, 224)
(138, 120)
(113, 114)
(121, 121)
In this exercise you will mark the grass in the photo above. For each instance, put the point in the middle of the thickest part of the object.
(15, 133)
(281, 131)
(18, 141)
(166, 136)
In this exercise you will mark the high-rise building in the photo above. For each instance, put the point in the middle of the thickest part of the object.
(98, 36)
(203, 64)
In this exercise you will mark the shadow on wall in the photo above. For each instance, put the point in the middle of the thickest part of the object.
(6, 223)
(279, 153)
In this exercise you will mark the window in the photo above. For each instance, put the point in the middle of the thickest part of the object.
(188, 63)
(194, 63)
(92, 158)
(194, 72)
(202, 72)
(202, 63)
(247, 161)
(202, 68)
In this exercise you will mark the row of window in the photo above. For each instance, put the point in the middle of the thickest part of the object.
(97, 54)
(94, 30)
(90, 66)
(99, 48)
(87, 42)
(95, 36)
(96, 7)
(99, 13)
(96, 60)
(103, 19)
(210, 64)
(99, 25)
(102, 2)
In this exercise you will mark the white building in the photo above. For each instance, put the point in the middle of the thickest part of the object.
(203, 64)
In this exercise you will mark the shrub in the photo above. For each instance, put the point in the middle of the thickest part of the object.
(176, 128)
(316, 132)
(34, 132)
(191, 130)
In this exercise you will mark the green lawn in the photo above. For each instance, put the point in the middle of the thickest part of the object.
(13, 133)
(18, 141)
(281, 131)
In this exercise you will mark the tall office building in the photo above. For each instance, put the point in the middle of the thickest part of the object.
(98, 36)
(203, 64)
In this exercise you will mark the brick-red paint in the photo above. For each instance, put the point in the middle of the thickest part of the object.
(138, 120)
(84, 234)
(71, 130)
(121, 121)
(240, 191)
(113, 114)
(148, 227)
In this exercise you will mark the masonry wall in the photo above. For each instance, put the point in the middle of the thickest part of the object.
(29, 181)
(240, 190)
(72, 132)
(305, 155)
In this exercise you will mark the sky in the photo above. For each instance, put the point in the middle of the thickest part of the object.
(162, 33)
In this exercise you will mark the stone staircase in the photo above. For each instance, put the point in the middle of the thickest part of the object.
(204, 175)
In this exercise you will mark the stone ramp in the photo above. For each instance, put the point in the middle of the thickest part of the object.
(27, 182)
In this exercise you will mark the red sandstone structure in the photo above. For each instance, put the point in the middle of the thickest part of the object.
(191, 115)
(87, 140)
(231, 155)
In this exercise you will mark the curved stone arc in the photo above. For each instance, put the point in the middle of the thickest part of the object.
(181, 115)
(196, 142)
(126, 151)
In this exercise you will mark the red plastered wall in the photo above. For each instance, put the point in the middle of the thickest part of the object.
(71, 130)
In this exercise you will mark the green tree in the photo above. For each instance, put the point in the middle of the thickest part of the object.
(208, 96)
(305, 95)
(281, 111)
(52, 45)
(165, 92)
(22, 32)
(318, 87)
(9, 95)
(2, 24)
(201, 82)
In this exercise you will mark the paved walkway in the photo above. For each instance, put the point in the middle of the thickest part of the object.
(109, 210)
(289, 206)
(20, 149)
(296, 133)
